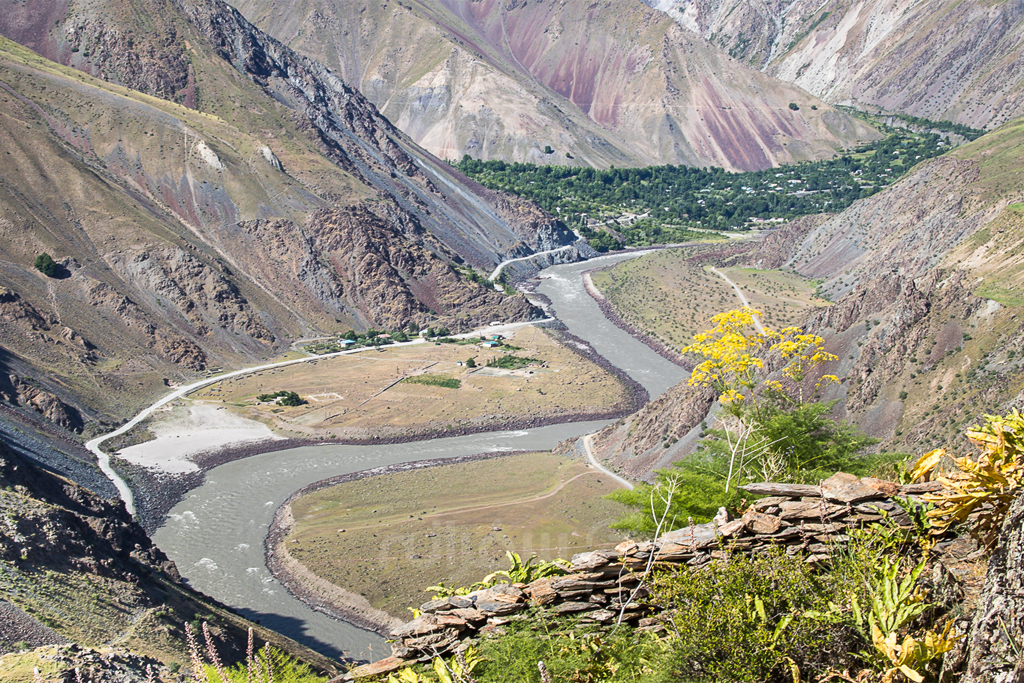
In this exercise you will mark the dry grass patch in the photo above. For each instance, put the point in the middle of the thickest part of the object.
(364, 394)
(389, 537)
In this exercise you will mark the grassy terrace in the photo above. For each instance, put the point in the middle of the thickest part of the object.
(648, 292)
(389, 537)
(424, 388)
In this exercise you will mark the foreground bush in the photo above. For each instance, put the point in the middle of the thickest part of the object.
(755, 619)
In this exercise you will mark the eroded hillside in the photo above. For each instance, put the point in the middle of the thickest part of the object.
(941, 59)
(610, 83)
(247, 198)
(926, 280)
(76, 568)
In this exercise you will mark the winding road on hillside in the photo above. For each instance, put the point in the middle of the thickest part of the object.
(740, 295)
(501, 266)
(216, 533)
(588, 445)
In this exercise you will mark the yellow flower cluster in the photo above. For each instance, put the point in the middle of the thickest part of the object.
(730, 362)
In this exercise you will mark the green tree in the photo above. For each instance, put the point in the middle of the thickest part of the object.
(291, 399)
(46, 265)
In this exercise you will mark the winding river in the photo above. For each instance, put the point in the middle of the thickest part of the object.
(216, 534)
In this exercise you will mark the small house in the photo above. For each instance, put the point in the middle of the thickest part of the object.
(490, 345)
(348, 343)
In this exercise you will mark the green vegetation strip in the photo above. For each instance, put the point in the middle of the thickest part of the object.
(435, 381)
(511, 362)
(667, 201)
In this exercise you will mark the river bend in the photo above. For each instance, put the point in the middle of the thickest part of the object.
(216, 533)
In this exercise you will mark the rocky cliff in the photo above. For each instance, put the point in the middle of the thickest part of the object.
(611, 83)
(938, 59)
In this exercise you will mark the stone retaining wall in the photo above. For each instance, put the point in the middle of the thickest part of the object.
(602, 584)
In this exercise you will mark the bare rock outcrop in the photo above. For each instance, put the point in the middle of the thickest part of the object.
(44, 403)
(55, 523)
(997, 632)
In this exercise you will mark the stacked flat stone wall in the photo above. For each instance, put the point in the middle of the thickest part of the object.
(604, 586)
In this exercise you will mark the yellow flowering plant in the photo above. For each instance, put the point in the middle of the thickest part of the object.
(733, 356)
(732, 349)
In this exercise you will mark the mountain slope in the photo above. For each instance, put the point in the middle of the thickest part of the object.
(926, 277)
(609, 83)
(937, 59)
(80, 565)
(270, 202)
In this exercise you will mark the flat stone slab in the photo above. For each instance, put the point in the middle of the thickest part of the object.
(593, 560)
(497, 608)
(379, 668)
(922, 487)
(700, 536)
(572, 607)
(785, 490)
(842, 487)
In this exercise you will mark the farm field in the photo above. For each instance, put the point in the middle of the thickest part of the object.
(669, 297)
(422, 389)
(389, 537)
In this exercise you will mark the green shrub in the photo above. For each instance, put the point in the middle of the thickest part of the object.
(285, 669)
(572, 654)
(750, 619)
(46, 265)
(510, 362)
(284, 398)
(805, 446)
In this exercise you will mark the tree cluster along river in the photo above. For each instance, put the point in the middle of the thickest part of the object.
(216, 534)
